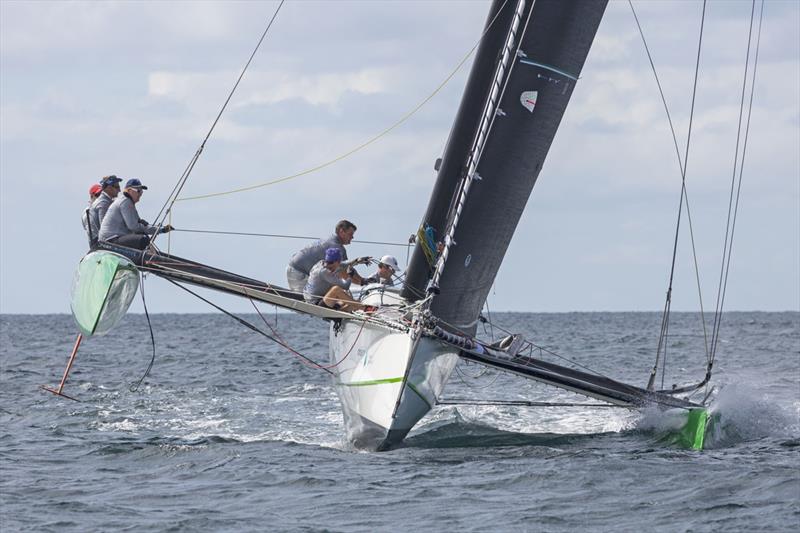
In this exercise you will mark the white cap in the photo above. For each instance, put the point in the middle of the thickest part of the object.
(391, 261)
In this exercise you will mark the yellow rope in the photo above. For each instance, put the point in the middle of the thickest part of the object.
(422, 238)
(359, 147)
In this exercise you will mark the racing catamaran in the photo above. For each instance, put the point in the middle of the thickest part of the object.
(390, 367)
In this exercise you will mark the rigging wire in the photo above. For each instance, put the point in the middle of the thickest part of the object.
(274, 338)
(249, 326)
(316, 365)
(525, 403)
(275, 333)
(540, 349)
(532, 346)
(489, 318)
(680, 166)
(485, 370)
(135, 387)
(731, 223)
(173, 196)
(667, 305)
(366, 143)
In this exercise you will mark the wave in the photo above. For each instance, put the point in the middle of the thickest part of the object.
(739, 412)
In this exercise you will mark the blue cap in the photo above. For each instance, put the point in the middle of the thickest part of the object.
(135, 182)
(109, 180)
(332, 255)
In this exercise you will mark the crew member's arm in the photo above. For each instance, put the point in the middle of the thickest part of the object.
(131, 218)
(355, 276)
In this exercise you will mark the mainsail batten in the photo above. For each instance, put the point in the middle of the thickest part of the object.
(552, 50)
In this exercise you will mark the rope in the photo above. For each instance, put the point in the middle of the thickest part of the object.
(281, 236)
(427, 242)
(680, 166)
(173, 196)
(731, 223)
(248, 325)
(317, 365)
(275, 338)
(668, 304)
(489, 320)
(485, 370)
(134, 388)
(302, 358)
(363, 145)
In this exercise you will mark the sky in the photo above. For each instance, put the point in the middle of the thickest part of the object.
(131, 88)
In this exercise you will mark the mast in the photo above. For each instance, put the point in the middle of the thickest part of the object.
(451, 167)
(519, 87)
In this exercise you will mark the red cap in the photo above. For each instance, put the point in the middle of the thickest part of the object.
(95, 189)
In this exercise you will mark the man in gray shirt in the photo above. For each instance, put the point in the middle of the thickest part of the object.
(97, 212)
(122, 224)
(303, 261)
(328, 284)
(94, 191)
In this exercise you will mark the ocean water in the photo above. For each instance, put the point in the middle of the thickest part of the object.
(231, 433)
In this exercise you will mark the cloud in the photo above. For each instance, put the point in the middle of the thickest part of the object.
(266, 88)
(90, 88)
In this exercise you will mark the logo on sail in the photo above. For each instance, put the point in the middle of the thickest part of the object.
(528, 100)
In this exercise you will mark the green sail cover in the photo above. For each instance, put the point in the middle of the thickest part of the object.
(104, 286)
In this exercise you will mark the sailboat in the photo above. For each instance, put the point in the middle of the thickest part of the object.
(390, 367)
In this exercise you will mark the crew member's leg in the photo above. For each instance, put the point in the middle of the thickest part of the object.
(133, 240)
(296, 279)
(338, 298)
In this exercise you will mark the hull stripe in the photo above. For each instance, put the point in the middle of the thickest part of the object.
(372, 382)
(385, 382)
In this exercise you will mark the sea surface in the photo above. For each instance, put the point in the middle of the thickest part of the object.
(229, 432)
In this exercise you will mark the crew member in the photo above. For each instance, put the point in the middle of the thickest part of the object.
(122, 224)
(110, 186)
(303, 261)
(328, 283)
(387, 269)
(94, 192)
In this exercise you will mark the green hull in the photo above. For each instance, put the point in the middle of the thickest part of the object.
(693, 433)
(104, 286)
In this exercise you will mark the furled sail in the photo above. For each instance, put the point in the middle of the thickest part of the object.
(521, 81)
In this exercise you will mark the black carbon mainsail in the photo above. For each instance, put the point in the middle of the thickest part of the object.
(521, 81)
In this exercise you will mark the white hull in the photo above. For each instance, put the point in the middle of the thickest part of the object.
(371, 378)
